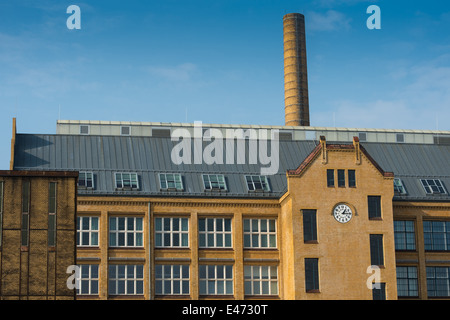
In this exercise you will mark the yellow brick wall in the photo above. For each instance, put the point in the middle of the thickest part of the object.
(37, 271)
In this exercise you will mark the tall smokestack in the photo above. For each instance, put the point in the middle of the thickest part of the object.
(296, 103)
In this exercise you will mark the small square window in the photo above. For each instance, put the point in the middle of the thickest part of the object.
(362, 136)
(84, 129)
(400, 137)
(125, 130)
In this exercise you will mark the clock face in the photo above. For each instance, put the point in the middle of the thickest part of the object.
(342, 213)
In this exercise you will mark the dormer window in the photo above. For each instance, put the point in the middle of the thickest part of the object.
(85, 180)
(433, 186)
(399, 188)
(257, 183)
(214, 182)
(171, 181)
(126, 181)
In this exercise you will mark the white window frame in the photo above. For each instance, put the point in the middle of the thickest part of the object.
(259, 234)
(213, 236)
(216, 278)
(253, 180)
(218, 185)
(166, 278)
(126, 232)
(119, 178)
(80, 278)
(399, 187)
(260, 280)
(161, 234)
(126, 280)
(92, 232)
(86, 179)
(429, 188)
(171, 178)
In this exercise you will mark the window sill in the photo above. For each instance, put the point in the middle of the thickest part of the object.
(311, 242)
(313, 291)
(376, 219)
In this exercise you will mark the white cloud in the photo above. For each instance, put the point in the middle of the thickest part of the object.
(180, 73)
(420, 99)
(330, 20)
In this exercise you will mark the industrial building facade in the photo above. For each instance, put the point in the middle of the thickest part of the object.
(346, 213)
(339, 220)
(37, 234)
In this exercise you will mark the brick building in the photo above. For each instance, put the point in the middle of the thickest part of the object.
(37, 234)
(346, 213)
(149, 228)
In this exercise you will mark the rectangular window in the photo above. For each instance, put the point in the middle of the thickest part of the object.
(171, 181)
(433, 186)
(126, 181)
(341, 178)
(257, 183)
(214, 182)
(125, 130)
(438, 282)
(260, 280)
(260, 233)
(374, 204)
(126, 279)
(214, 232)
(351, 178)
(312, 274)
(171, 232)
(404, 233)
(86, 180)
(407, 282)
(376, 250)
(84, 129)
(399, 188)
(379, 291)
(52, 214)
(1, 211)
(216, 279)
(87, 231)
(330, 177)
(25, 212)
(436, 235)
(309, 226)
(171, 279)
(88, 279)
(125, 232)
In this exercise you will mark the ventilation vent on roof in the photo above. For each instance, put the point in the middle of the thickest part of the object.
(84, 129)
(125, 131)
(164, 133)
(400, 137)
(445, 140)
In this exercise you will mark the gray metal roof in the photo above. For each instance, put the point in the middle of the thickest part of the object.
(148, 156)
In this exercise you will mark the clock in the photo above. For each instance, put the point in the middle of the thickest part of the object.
(342, 213)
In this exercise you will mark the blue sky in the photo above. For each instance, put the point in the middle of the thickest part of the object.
(221, 62)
